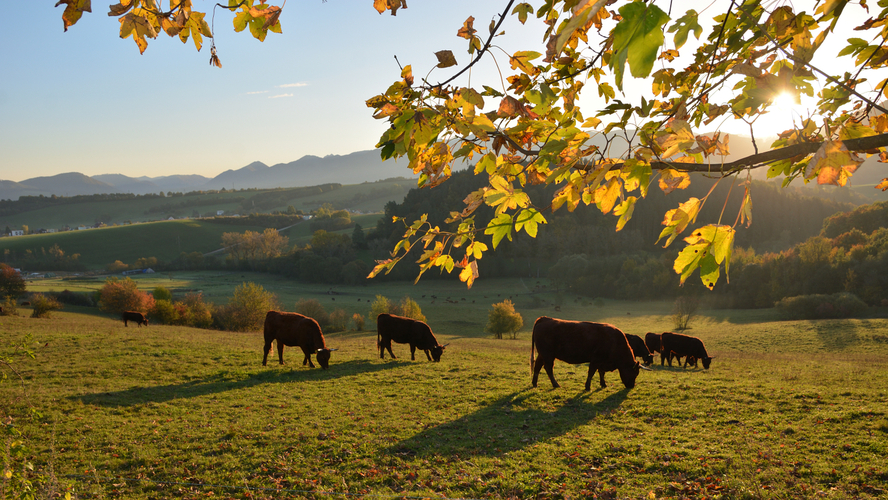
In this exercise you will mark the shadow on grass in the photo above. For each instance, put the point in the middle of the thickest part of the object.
(228, 381)
(836, 334)
(508, 424)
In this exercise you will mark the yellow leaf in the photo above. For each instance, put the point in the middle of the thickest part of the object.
(883, 185)
(469, 273)
(671, 179)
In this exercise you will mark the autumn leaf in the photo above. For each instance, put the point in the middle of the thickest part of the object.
(467, 31)
(832, 164)
(637, 38)
(74, 9)
(445, 59)
(883, 185)
(392, 5)
(671, 179)
(510, 107)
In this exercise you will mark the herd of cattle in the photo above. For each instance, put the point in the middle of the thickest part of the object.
(603, 346)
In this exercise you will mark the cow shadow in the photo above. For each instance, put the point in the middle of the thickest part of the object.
(507, 424)
(228, 381)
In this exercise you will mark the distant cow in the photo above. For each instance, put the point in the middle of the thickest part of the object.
(654, 344)
(138, 317)
(640, 349)
(293, 329)
(685, 345)
(603, 346)
(391, 328)
(26, 303)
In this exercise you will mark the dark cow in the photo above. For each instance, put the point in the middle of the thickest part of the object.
(640, 349)
(138, 317)
(603, 346)
(391, 328)
(653, 343)
(685, 345)
(292, 329)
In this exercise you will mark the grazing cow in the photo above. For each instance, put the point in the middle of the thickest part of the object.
(138, 317)
(294, 329)
(640, 349)
(654, 344)
(685, 345)
(26, 303)
(603, 346)
(403, 330)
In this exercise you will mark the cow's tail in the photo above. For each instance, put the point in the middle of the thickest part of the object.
(531, 353)
(378, 340)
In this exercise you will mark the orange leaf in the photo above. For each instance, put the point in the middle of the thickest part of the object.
(510, 107)
(883, 185)
(467, 31)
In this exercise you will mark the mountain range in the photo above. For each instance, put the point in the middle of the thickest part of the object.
(354, 168)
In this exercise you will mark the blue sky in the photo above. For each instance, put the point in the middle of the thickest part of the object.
(86, 101)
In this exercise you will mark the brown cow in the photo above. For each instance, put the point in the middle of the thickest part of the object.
(603, 346)
(640, 349)
(136, 316)
(685, 345)
(293, 329)
(654, 344)
(403, 330)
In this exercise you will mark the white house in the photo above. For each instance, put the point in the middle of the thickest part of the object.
(17, 232)
(220, 212)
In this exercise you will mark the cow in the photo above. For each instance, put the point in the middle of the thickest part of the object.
(293, 329)
(653, 343)
(603, 346)
(403, 330)
(136, 316)
(640, 349)
(685, 345)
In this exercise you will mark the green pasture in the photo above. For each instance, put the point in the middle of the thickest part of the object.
(789, 409)
(116, 211)
(100, 247)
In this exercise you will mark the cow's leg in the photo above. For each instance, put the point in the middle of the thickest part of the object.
(412, 352)
(427, 354)
(548, 366)
(537, 366)
(592, 369)
(280, 351)
(601, 376)
(662, 358)
(265, 351)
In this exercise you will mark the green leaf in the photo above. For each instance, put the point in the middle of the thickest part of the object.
(499, 228)
(683, 26)
(624, 210)
(522, 9)
(637, 39)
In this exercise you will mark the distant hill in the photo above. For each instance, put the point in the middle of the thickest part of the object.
(354, 168)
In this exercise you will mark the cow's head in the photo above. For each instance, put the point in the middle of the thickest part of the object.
(706, 361)
(629, 374)
(437, 351)
(324, 357)
(648, 359)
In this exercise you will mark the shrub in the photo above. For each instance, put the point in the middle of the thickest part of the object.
(161, 293)
(358, 322)
(9, 307)
(11, 283)
(117, 296)
(247, 308)
(380, 305)
(164, 312)
(313, 309)
(43, 305)
(338, 320)
(410, 309)
(200, 313)
(116, 267)
(504, 319)
(74, 298)
(817, 306)
(407, 308)
(684, 310)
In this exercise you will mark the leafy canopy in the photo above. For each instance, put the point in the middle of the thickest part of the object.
(529, 129)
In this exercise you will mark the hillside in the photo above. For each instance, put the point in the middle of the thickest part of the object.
(354, 168)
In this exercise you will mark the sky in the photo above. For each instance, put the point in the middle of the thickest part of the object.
(86, 101)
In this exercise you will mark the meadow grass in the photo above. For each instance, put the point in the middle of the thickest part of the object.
(788, 409)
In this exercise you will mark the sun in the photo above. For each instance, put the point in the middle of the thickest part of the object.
(785, 111)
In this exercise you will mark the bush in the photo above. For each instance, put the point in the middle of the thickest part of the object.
(116, 267)
(11, 283)
(338, 320)
(9, 307)
(200, 313)
(838, 305)
(246, 310)
(164, 312)
(684, 310)
(407, 308)
(410, 309)
(314, 310)
(380, 305)
(161, 293)
(358, 322)
(117, 296)
(504, 319)
(84, 299)
(42, 305)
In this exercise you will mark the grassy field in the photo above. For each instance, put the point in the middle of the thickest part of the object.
(789, 409)
(366, 197)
